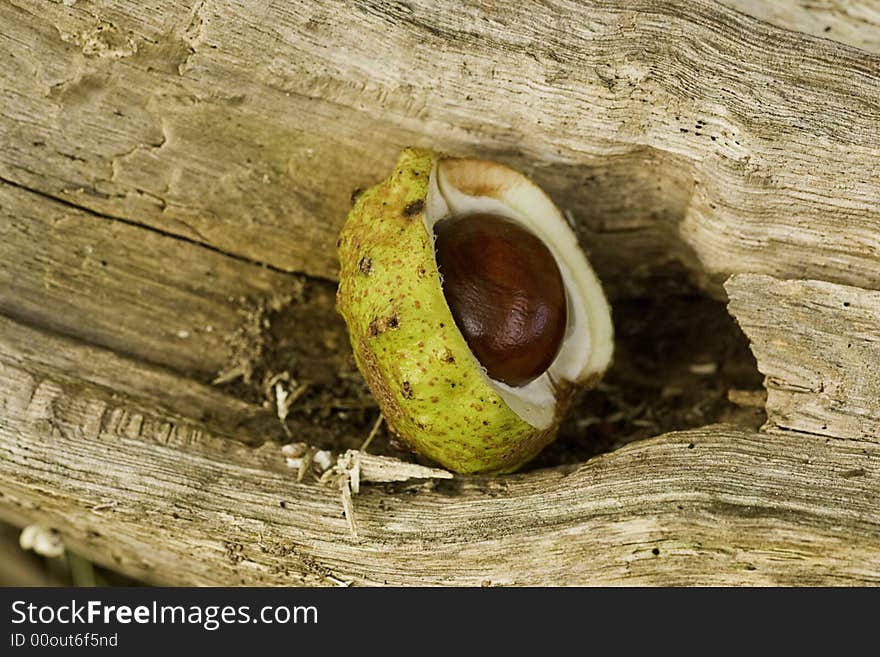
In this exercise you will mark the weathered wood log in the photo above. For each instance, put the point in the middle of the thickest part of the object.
(163, 499)
(659, 125)
(166, 171)
(818, 344)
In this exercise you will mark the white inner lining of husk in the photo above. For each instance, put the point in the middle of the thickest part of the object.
(588, 343)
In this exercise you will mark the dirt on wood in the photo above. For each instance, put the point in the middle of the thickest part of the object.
(677, 359)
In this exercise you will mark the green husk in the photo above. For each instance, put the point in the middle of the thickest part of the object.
(432, 392)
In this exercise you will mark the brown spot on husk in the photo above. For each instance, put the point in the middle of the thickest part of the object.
(412, 209)
(381, 324)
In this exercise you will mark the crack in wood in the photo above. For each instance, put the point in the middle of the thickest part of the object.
(174, 236)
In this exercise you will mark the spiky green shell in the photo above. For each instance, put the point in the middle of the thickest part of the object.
(430, 388)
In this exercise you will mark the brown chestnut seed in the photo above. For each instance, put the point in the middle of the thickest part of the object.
(505, 292)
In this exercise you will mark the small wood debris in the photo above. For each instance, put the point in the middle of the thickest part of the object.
(703, 369)
(373, 468)
(323, 459)
(293, 455)
(590, 420)
(356, 466)
(353, 467)
(373, 432)
(230, 374)
(345, 583)
(304, 464)
(301, 456)
(294, 450)
(283, 390)
(45, 541)
(348, 506)
(747, 398)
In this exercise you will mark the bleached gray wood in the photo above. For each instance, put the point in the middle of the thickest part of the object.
(659, 125)
(818, 345)
(854, 22)
(161, 300)
(164, 166)
(165, 500)
(40, 352)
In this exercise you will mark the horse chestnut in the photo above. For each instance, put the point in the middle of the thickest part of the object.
(473, 314)
(505, 292)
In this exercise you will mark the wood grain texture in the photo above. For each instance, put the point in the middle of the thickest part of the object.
(818, 345)
(165, 500)
(41, 352)
(659, 125)
(854, 22)
(164, 301)
(165, 167)
(146, 295)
